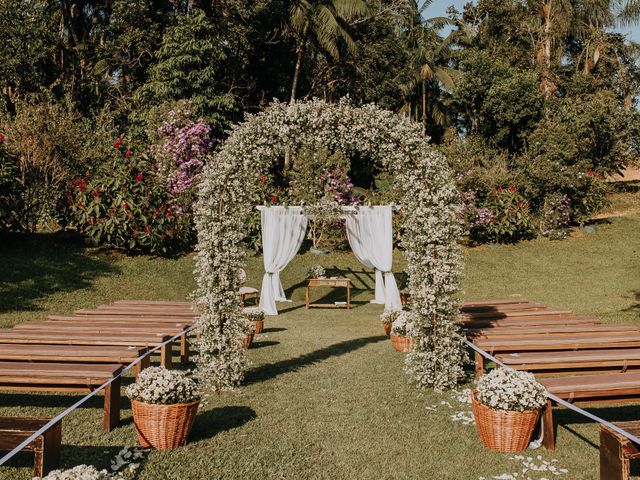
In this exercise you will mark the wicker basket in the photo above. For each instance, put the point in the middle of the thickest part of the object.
(387, 328)
(163, 426)
(248, 340)
(401, 343)
(503, 431)
(258, 326)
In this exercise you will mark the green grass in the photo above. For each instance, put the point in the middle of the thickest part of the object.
(325, 397)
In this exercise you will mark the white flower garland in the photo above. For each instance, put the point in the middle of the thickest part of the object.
(431, 227)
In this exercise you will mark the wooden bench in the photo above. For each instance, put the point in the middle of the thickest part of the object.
(77, 354)
(512, 307)
(136, 312)
(575, 341)
(66, 377)
(528, 322)
(170, 325)
(578, 361)
(616, 451)
(45, 448)
(529, 314)
(500, 301)
(153, 303)
(542, 331)
(40, 337)
(581, 389)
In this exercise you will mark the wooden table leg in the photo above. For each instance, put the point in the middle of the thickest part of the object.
(307, 298)
(112, 405)
(348, 296)
(549, 439)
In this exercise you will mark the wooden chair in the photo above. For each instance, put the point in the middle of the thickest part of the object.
(45, 448)
(244, 291)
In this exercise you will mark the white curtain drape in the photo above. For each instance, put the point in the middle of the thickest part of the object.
(283, 230)
(370, 234)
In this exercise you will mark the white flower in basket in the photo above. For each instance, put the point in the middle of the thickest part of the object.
(510, 390)
(388, 316)
(253, 314)
(157, 385)
(404, 325)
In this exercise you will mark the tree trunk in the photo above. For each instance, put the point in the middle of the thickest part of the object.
(296, 72)
(547, 86)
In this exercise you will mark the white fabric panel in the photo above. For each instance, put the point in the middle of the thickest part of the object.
(370, 234)
(283, 230)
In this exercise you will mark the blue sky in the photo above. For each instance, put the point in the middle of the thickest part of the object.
(439, 7)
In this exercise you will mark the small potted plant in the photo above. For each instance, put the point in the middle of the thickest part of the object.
(506, 406)
(256, 316)
(247, 340)
(164, 404)
(401, 332)
(387, 318)
(316, 271)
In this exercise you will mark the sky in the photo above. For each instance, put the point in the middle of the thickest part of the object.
(439, 7)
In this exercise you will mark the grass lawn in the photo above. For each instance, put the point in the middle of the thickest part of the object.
(325, 397)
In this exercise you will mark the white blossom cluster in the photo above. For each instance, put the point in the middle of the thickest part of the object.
(316, 271)
(430, 222)
(81, 472)
(513, 390)
(253, 314)
(388, 316)
(404, 324)
(158, 385)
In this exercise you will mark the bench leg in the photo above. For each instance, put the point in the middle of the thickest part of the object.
(38, 457)
(184, 350)
(479, 360)
(165, 355)
(142, 364)
(613, 463)
(549, 440)
(112, 405)
(52, 439)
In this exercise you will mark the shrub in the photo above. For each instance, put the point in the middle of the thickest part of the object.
(81, 472)
(556, 216)
(507, 389)
(503, 217)
(403, 324)
(126, 206)
(160, 386)
(10, 191)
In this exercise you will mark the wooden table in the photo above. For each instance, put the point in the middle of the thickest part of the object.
(329, 282)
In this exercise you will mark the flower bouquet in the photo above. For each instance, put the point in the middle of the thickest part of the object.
(506, 406)
(164, 404)
(316, 271)
(255, 316)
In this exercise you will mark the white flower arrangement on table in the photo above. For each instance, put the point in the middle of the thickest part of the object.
(511, 390)
(81, 472)
(404, 325)
(316, 271)
(253, 314)
(388, 316)
(160, 386)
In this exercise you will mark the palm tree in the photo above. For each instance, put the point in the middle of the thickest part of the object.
(325, 23)
(429, 60)
(630, 13)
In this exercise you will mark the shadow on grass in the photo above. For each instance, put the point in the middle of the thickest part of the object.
(36, 266)
(210, 422)
(262, 344)
(272, 370)
(274, 329)
(634, 307)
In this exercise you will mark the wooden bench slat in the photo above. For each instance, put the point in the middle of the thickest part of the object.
(122, 318)
(557, 342)
(550, 330)
(525, 314)
(499, 301)
(577, 356)
(529, 322)
(609, 383)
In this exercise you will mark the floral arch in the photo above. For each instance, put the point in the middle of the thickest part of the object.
(431, 228)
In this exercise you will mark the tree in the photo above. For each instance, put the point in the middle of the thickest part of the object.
(188, 67)
(323, 22)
